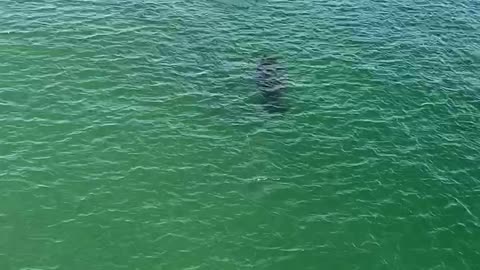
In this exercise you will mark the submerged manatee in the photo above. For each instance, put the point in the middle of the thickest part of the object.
(270, 80)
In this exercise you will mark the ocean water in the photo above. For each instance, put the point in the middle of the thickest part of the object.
(131, 136)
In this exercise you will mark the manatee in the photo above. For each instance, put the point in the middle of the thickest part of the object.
(270, 80)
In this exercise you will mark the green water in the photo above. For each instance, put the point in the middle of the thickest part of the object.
(131, 136)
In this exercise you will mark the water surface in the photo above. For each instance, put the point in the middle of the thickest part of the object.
(131, 136)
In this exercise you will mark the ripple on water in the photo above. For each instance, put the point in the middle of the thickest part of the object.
(132, 137)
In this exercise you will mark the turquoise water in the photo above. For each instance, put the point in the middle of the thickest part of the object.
(131, 136)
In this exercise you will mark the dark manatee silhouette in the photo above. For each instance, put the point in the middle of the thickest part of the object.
(270, 78)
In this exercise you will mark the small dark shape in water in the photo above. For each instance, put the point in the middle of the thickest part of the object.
(271, 84)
